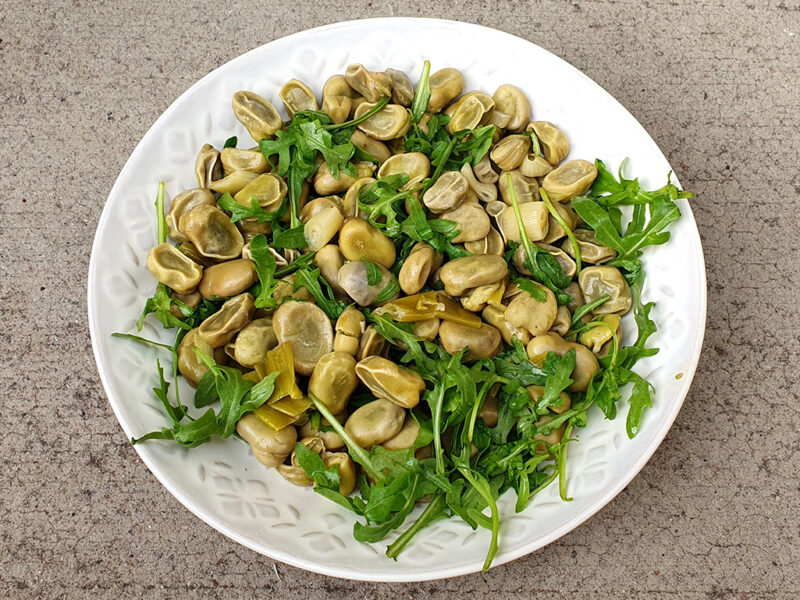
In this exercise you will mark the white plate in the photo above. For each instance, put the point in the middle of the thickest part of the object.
(221, 482)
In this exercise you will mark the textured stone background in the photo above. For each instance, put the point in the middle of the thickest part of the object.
(715, 514)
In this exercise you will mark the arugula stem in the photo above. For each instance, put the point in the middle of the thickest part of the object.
(477, 408)
(295, 189)
(356, 452)
(433, 512)
(633, 250)
(545, 483)
(179, 335)
(153, 435)
(520, 446)
(162, 226)
(547, 427)
(352, 123)
(560, 220)
(141, 340)
(561, 461)
(523, 233)
(437, 433)
(587, 308)
(162, 223)
(523, 492)
(482, 487)
(302, 261)
(162, 239)
(442, 161)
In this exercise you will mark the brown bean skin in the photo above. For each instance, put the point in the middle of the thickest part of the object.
(227, 279)
(468, 272)
(483, 343)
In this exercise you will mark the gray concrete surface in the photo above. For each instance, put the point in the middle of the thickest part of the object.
(714, 515)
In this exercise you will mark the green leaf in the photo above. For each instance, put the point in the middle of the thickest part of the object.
(449, 152)
(260, 393)
(235, 393)
(314, 283)
(435, 232)
(160, 304)
(383, 200)
(604, 392)
(338, 498)
(197, 432)
(481, 485)
(281, 146)
(389, 291)
(473, 146)
(195, 316)
(514, 366)
(309, 135)
(639, 400)
(646, 327)
(544, 268)
(662, 212)
(397, 333)
(230, 142)
(610, 192)
(535, 292)
(313, 136)
(206, 390)
(554, 214)
(190, 435)
(254, 211)
(288, 238)
(512, 404)
(425, 435)
(315, 468)
(375, 533)
(265, 268)
(598, 219)
(549, 270)
(231, 388)
(237, 396)
(393, 462)
(390, 504)
(641, 231)
(176, 413)
(386, 499)
(558, 369)
(374, 273)
(417, 140)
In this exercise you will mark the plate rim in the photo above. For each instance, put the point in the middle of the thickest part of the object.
(601, 501)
